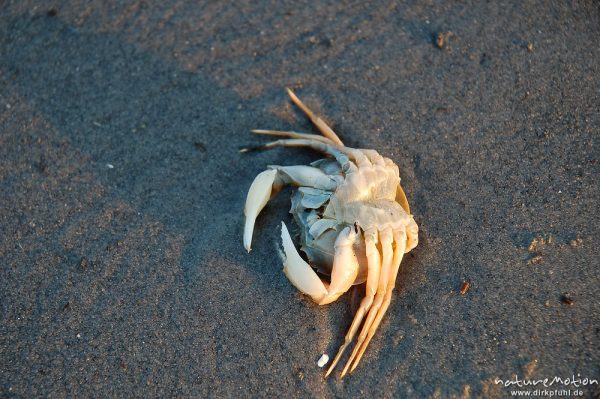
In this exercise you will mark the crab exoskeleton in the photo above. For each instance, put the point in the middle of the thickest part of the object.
(354, 219)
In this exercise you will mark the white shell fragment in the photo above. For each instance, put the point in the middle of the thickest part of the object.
(323, 360)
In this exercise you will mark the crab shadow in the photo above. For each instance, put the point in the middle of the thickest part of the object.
(163, 143)
(162, 139)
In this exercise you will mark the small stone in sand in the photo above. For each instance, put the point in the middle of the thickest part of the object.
(537, 244)
(576, 242)
(323, 360)
(535, 260)
(566, 299)
(465, 288)
(441, 39)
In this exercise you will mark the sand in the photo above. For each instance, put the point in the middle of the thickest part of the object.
(123, 272)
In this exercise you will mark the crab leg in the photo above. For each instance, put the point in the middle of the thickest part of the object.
(270, 182)
(302, 175)
(386, 240)
(344, 155)
(318, 122)
(304, 278)
(400, 240)
(341, 154)
(374, 265)
(294, 135)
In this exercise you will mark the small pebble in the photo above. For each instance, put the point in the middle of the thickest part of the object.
(576, 242)
(566, 300)
(441, 39)
(537, 244)
(323, 360)
(200, 146)
(465, 288)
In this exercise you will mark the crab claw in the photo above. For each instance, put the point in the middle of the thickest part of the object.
(304, 278)
(258, 196)
(300, 274)
(345, 266)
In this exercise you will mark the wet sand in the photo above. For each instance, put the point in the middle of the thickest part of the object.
(123, 271)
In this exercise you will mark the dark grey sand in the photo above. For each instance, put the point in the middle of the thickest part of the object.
(131, 280)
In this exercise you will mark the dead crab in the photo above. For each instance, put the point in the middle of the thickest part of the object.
(354, 219)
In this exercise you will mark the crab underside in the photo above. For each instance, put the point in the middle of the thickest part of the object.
(354, 221)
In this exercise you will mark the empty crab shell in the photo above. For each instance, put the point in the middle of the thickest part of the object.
(354, 220)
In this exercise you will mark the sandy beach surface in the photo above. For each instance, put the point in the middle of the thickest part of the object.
(121, 193)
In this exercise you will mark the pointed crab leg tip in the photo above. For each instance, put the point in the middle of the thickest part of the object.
(360, 353)
(347, 366)
(356, 361)
(294, 98)
(337, 358)
(254, 148)
(330, 369)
